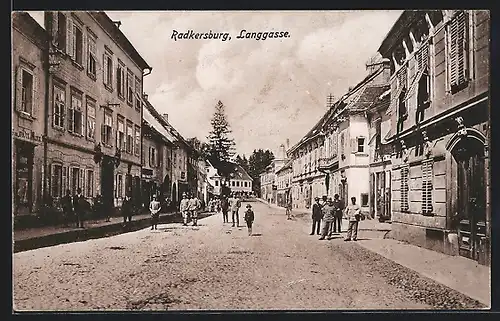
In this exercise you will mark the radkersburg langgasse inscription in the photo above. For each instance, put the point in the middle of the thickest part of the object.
(225, 36)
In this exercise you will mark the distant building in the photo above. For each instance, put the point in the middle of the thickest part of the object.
(239, 181)
(284, 184)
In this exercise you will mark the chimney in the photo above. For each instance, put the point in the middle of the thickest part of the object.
(287, 143)
(165, 116)
(145, 96)
(282, 152)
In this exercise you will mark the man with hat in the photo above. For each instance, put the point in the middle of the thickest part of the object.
(329, 217)
(184, 209)
(317, 215)
(249, 218)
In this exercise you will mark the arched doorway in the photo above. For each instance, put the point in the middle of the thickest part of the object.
(470, 221)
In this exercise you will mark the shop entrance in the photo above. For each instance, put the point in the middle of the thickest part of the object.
(24, 178)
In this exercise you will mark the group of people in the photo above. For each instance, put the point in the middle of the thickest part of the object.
(74, 207)
(331, 211)
(233, 204)
(189, 208)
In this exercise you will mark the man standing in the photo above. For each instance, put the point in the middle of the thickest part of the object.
(127, 209)
(316, 216)
(78, 207)
(194, 207)
(67, 207)
(154, 208)
(184, 209)
(235, 203)
(224, 206)
(353, 213)
(339, 209)
(328, 217)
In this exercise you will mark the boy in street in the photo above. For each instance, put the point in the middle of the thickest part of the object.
(249, 218)
(353, 213)
(154, 208)
(184, 209)
(316, 216)
(328, 217)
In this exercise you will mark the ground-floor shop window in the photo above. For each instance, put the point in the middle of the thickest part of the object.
(364, 199)
(119, 186)
(76, 179)
(56, 180)
(90, 183)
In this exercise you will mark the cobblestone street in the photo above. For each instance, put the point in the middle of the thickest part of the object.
(214, 266)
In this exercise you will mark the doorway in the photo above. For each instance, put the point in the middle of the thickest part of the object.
(24, 178)
(471, 191)
(107, 182)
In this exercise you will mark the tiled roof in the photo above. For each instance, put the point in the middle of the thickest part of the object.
(153, 122)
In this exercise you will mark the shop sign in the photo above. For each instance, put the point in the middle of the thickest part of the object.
(147, 173)
(28, 135)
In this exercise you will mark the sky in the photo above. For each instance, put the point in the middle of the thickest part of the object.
(273, 89)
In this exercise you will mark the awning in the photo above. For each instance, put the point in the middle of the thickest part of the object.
(151, 120)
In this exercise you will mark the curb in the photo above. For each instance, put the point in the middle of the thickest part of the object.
(94, 232)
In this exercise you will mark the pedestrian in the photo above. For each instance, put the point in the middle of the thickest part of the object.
(184, 209)
(78, 207)
(97, 208)
(328, 217)
(224, 205)
(288, 207)
(154, 208)
(235, 204)
(249, 218)
(353, 213)
(317, 215)
(67, 207)
(127, 209)
(339, 209)
(194, 207)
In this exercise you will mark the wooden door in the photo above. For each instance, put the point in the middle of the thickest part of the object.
(471, 197)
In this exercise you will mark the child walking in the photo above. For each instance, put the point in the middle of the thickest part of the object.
(249, 217)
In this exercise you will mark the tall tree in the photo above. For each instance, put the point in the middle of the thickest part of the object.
(243, 162)
(257, 163)
(202, 147)
(221, 146)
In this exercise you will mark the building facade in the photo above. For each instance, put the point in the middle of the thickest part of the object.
(268, 184)
(284, 184)
(95, 107)
(29, 59)
(441, 130)
(239, 181)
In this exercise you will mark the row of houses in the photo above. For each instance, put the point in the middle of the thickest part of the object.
(410, 141)
(81, 119)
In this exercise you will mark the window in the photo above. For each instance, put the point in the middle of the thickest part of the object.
(402, 110)
(75, 119)
(91, 120)
(120, 135)
(90, 183)
(458, 51)
(56, 180)
(107, 129)
(120, 79)
(364, 199)
(361, 144)
(152, 156)
(216, 183)
(427, 175)
(137, 93)
(238, 184)
(61, 31)
(59, 103)
(404, 188)
(378, 137)
(423, 96)
(76, 179)
(232, 183)
(137, 149)
(130, 138)
(119, 186)
(91, 57)
(108, 70)
(27, 92)
(77, 40)
(130, 88)
(342, 142)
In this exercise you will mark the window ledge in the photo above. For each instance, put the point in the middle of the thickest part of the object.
(58, 128)
(108, 87)
(130, 103)
(364, 154)
(76, 134)
(26, 115)
(77, 65)
(121, 97)
(107, 145)
(92, 76)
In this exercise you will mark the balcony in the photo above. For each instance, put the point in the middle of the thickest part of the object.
(328, 162)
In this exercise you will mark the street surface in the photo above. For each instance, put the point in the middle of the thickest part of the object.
(214, 266)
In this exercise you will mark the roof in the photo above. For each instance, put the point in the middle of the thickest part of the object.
(240, 173)
(26, 24)
(398, 30)
(108, 24)
(147, 115)
(288, 165)
(348, 100)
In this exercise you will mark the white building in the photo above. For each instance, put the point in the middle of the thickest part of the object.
(240, 181)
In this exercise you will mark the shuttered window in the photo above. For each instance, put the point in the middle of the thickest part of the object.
(458, 51)
(422, 56)
(56, 180)
(427, 175)
(405, 171)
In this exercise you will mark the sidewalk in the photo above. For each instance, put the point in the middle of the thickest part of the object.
(456, 272)
(29, 239)
(365, 225)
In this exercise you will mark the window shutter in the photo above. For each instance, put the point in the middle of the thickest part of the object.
(69, 38)
(84, 49)
(52, 180)
(104, 68)
(18, 88)
(64, 185)
(102, 133)
(462, 50)
(34, 99)
(82, 181)
(354, 147)
(70, 119)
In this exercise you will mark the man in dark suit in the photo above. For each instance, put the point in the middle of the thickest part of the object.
(79, 207)
(317, 215)
(127, 209)
(338, 204)
(67, 207)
